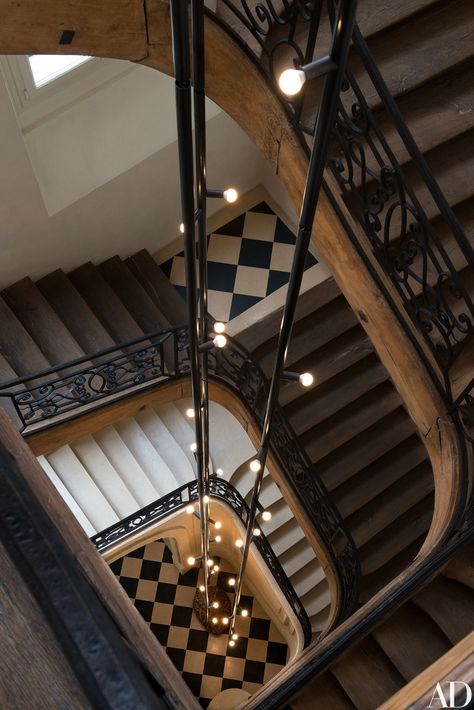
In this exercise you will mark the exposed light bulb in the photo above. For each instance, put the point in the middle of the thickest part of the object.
(256, 532)
(201, 588)
(244, 612)
(190, 413)
(231, 643)
(189, 509)
(206, 499)
(220, 341)
(219, 472)
(266, 515)
(218, 525)
(215, 605)
(231, 195)
(191, 560)
(218, 327)
(239, 543)
(215, 619)
(225, 620)
(291, 81)
(193, 446)
(217, 538)
(216, 568)
(210, 563)
(306, 379)
(232, 582)
(235, 637)
(255, 465)
(181, 228)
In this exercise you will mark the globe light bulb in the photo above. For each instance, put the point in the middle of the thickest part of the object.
(255, 465)
(239, 543)
(291, 81)
(216, 568)
(215, 605)
(189, 509)
(231, 643)
(190, 413)
(306, 379)
(235, 637)
(225, 620)
(218, 525)
(201, 588)
(218, 327)
(193, 446)
(217, 538)
(181, 228)
(191, 560)
(219, 472)
(232, 582)
(210, 563)
(244, 612)
(206, 499)
(231, 195)
(220, 341)
(256, 532)
(215, 619)
(266, 515)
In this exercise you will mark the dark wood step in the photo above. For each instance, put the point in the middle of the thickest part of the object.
(379, 476)
(371, 519)
(74, 312)
(161, 291)
(350, 422)
(328, 361)
(17, 346)
(105, 303)
(6, 374)
(411, 640)
(323, 692)
(451, 606)
(133, 295)
(329, 397)
(405, 54)
(462, 567)
(397, 536)
(384, 436)
(372, 583)
(310, 333)
(367, 675)
(42, 322)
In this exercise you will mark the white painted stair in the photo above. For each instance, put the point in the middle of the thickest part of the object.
(110, 475)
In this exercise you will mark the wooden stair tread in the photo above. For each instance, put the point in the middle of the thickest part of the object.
(411, 640)
(451, 606)
(354, 456)
(74, 312)
(351, 421)
(104, 302)
(377, 477)
(367, 675)
(17, 346)
(7, 373)
(158, 287)
(42, 322)
(461, 568)
(133, 295)
(404, 54)
(326, 691)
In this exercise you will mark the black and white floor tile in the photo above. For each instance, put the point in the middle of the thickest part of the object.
(164, 598)
(248, 259)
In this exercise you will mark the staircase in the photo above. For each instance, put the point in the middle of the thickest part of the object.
(415, 636)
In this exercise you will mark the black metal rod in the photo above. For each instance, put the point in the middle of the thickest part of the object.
(181, 59)
(341, 40)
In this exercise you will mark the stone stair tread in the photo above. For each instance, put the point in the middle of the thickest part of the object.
(296, 556)
(451, 606)
(18, 348)
(158, 287)
(72, 309)
(42, 322)
(328, 693)
(104, 302)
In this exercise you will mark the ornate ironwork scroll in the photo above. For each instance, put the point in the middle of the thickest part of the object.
(177, 500)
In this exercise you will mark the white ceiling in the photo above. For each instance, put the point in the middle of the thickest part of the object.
(100, 176)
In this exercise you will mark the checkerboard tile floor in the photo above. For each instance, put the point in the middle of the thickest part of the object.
(164, 598)
(248, 259)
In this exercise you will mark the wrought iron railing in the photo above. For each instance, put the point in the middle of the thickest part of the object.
(175, 501)
(68, 391)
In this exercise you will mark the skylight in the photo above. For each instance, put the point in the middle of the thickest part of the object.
(48, 67)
